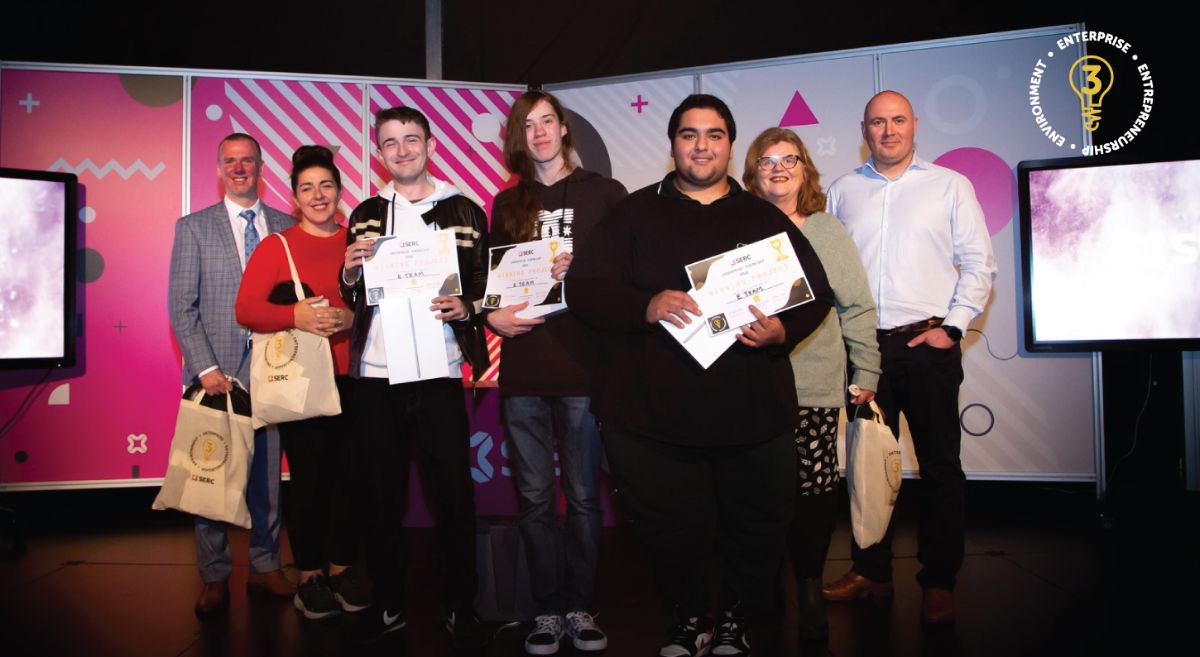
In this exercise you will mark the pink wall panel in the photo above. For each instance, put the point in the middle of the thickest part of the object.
(112, 416)
(281, 115)
(111, 419)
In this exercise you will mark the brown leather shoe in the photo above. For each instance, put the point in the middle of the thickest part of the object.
(274, 583)
(213, 598)
(853, 586)
(937, 606)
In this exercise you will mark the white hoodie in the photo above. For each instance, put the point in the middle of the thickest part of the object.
(404, 216)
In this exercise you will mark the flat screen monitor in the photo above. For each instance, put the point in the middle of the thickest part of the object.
(1110, 254)
(37, 269)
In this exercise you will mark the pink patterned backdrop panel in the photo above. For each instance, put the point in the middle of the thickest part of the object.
(110, 420)
(282, 115)
(111, 417)
(468, 126)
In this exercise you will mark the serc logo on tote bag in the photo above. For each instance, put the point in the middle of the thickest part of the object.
(281, 350)
(209, 451)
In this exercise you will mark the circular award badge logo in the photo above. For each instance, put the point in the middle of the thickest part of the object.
(281, 349)
(209, 451)
(1110, 63)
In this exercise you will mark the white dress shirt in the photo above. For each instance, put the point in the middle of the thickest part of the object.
(923, 241)
(238, 225)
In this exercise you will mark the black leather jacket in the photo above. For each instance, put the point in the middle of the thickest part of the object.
(470, 225)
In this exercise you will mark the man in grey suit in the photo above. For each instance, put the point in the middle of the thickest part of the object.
(209, 254)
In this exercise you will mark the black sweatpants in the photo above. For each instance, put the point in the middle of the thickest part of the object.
(685, 500)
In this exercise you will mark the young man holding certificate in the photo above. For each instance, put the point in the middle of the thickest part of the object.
(701, 456)
(545, 371)
(395, 416)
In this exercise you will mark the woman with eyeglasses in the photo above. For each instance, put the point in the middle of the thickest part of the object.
(780, 170)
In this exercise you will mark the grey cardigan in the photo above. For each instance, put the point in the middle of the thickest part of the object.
(819, 361)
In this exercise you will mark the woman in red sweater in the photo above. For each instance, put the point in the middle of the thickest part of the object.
(319, 511)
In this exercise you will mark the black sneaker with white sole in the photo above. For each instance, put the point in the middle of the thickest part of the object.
(352, 590)
(468, 631)
(688, 637)
(381, 622)
(731, 638)
(315, 599)
(584, 632)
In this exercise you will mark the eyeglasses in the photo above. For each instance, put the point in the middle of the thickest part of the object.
(768, 162)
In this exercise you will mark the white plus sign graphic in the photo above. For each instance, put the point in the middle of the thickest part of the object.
(29, 103)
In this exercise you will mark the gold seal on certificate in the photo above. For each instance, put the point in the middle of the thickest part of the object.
(412, 263)
(765, 273)
(522, 272)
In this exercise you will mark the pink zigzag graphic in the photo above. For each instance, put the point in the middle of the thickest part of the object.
(61, 164)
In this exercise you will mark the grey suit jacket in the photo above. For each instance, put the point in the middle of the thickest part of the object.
(205, 275)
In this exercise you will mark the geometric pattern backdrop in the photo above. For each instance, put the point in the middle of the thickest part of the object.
(109, 421)
(1023, 416)
(110, 418)
(142, 163)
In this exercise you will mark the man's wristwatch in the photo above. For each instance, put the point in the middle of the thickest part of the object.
(954, 332)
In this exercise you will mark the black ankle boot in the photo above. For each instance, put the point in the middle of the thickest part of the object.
(811, 610)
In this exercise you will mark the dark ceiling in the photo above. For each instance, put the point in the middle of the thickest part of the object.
(537, 41)
(518, 41)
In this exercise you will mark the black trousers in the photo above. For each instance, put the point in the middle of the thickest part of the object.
(324, 503)
(923, 382)
(427, 421)
(686, 500)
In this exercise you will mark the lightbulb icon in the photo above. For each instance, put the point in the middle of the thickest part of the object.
(1094, 88)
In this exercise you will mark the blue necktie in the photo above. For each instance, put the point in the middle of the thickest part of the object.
(251, 232)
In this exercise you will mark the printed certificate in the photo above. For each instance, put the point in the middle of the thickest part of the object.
(765, 273)
(414, 339)
(521, 272)
(408, 263)
(698, 342)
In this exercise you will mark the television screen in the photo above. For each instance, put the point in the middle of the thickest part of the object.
(1110, 254)
(37, 277)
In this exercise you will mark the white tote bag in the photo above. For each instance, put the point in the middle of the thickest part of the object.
(873, 473)
(291, 371)
(210, 460)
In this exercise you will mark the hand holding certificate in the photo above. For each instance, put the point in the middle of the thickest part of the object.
(745, 288)
(523, 273)
(407, 263)
(672, 309)
(406, 274)
(766, 274)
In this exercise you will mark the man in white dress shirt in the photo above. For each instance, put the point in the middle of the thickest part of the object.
(922, 237)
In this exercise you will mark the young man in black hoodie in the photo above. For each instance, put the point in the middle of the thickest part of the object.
(426, 418)
(700, 456)
(545, 375)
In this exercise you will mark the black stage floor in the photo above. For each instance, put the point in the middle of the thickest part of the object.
(1045, 574)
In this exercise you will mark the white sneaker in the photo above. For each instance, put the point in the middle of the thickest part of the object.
(543, 640)
(584, 632)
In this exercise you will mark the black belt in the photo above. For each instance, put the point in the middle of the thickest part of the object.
(914, 328)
